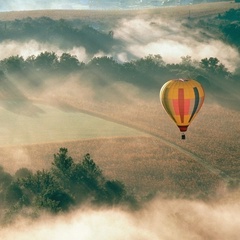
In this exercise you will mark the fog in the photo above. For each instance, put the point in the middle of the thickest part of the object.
(158, 220)
(32, 47)
(172, 41)
(139, 37)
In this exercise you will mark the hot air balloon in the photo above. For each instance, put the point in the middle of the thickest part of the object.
(182, 100)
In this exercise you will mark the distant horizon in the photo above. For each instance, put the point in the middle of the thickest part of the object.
(29, 5)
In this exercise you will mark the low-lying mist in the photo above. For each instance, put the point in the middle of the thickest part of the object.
(32, 47)
(158, 219)
(132, 39)
(172, 41)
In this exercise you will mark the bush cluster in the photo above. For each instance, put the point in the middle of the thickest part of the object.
(66, 185)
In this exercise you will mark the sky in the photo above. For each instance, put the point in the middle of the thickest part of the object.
(18, 5)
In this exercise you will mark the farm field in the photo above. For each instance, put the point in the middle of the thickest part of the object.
(178, 12)
(144, 163)
(41, 123)
(213, 135)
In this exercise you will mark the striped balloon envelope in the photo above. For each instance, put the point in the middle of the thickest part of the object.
(182, 100)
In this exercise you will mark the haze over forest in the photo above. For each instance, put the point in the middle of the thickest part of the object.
(149, 183)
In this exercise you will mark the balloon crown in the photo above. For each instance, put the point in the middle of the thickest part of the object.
(183, 80)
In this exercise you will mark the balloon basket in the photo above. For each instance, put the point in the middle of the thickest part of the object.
(183, 136)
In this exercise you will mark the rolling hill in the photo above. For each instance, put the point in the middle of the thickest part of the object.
(63, 88)
(144, 164)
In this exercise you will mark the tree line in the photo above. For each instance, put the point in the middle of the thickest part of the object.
(95, 35)
(225, 26)
(62, 33)
(148, 73)
(145, 70)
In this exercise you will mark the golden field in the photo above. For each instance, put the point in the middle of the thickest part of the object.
(152, 163)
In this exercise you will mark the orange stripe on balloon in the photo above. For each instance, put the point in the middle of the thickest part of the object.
(186, 106)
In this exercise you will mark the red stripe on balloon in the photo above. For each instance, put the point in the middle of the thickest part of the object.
(181, 103)
(175, 105)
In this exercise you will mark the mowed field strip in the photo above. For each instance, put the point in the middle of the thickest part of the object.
(49, 124)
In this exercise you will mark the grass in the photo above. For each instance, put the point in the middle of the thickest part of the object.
(44, 123)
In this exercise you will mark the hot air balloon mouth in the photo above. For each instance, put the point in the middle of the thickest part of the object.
(183, 128)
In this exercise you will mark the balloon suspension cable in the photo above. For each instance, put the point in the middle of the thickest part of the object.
(183, 136)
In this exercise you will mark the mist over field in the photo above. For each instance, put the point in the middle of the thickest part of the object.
(159, 219)
(186, 189)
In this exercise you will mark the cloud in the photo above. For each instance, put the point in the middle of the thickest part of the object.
(138, 38)
(32, 47)
(159, 219)
(172, 41)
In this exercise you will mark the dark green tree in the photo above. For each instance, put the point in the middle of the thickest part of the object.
(213, 66)
(46, 61)
(5, 181)
(23, 173)
(62, 161)
(13, 64)
(115, 192)
(68, 63)
(13, 194)
(44, 191)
